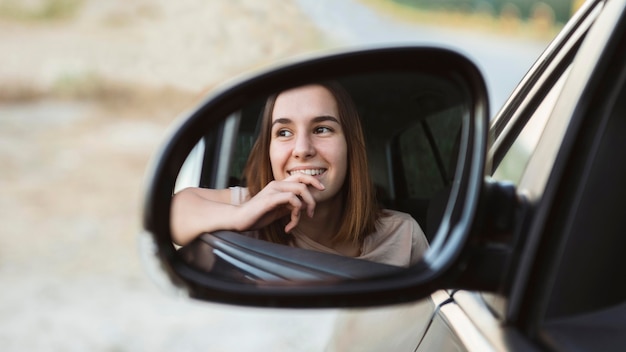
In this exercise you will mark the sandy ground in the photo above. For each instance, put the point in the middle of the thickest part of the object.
(84, 102)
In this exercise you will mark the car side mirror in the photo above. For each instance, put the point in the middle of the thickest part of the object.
(424, 113)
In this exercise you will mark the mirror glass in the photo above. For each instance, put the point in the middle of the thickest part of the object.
(412, 125)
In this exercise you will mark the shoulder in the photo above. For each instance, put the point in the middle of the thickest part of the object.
(398, 226)
(398, 240)
(394, 225)
(393, 219)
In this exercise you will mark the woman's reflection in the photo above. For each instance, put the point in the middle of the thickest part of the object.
(308, 186)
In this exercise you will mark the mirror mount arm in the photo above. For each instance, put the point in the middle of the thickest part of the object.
(491, 254)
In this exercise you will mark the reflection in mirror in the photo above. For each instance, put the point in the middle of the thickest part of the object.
(359, 167)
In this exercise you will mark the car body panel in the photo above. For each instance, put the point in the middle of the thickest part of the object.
(390, 328)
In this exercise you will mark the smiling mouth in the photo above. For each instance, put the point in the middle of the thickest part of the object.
(310, 172)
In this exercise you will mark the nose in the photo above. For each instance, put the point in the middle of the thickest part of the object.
(303, 148)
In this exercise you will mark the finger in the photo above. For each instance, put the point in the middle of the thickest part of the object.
(290, 226)
(307, 199)
(295, 217)
(307, 180)
(300, 190)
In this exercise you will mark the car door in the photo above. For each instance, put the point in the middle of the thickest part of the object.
(453, 325)
(561, 152)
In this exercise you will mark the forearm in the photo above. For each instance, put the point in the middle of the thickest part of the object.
(193, 214)
(199, 210)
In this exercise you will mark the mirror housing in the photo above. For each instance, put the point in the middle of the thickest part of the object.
(443, 263)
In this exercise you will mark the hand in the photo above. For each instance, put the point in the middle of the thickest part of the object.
(278, 199)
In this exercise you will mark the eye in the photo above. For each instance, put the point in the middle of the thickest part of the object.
(322, 129)
(284, 133)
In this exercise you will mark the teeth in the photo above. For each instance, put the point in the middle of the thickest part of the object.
(311, 172)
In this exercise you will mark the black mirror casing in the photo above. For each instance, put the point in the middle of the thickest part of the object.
(443, 262)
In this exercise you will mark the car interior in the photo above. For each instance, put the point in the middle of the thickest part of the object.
(412, 139)
(412, 125)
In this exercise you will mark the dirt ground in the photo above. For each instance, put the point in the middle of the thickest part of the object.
(85, 99)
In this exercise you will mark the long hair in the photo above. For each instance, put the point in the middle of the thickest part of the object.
(361, 210)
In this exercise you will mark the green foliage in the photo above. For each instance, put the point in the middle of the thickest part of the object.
(560, 10)
(39, 10)
(532, 18)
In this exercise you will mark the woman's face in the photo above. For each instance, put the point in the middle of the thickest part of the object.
(307, 137)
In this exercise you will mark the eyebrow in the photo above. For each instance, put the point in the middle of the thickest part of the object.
(318, 119)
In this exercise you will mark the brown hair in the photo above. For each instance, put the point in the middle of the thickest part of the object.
(360, 207)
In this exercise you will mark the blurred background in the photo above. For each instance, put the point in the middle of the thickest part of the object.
(87, 91)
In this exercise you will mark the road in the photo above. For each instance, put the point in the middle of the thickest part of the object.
(503, 60)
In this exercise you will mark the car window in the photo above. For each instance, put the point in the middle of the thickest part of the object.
(514, 163)
(424, 158)
(244, 143)
(427, 154)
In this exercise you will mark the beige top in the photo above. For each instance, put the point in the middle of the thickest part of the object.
(398, 239)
